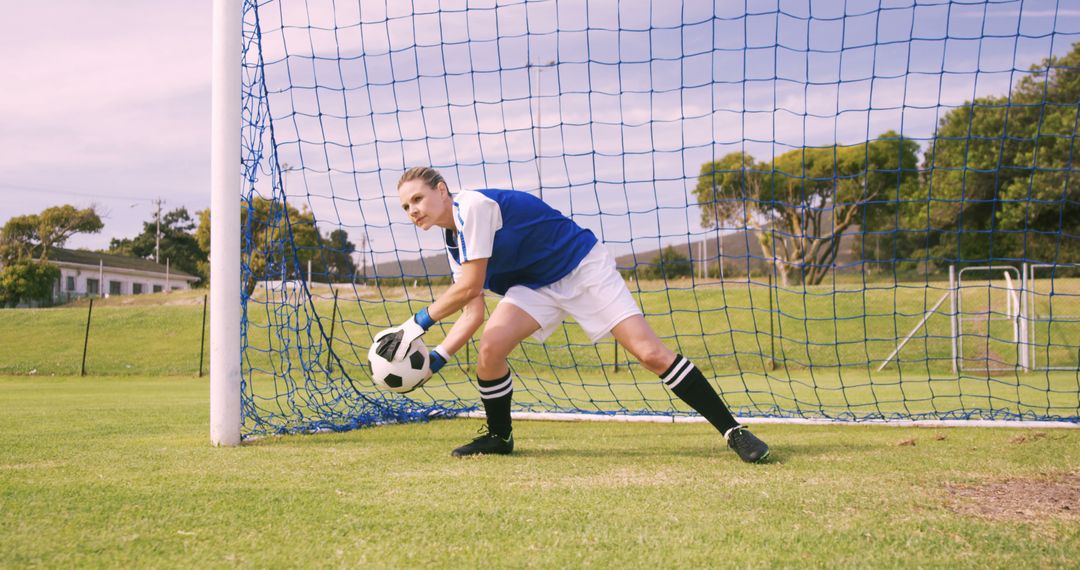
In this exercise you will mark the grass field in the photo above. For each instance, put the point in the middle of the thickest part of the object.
(724, 328)
(147, 335)
(759, 368)
(118, 472)
(115, 469)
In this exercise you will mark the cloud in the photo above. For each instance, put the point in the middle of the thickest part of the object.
(111, 97)
(105, 102)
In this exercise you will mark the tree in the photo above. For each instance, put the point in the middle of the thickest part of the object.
(1002, 182)
(337, 255)
(668, 265)
(34, 235)
(178, 243)
(282, 241)
(801, 204)
(25, 244)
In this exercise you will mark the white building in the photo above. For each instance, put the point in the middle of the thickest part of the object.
(92, 274)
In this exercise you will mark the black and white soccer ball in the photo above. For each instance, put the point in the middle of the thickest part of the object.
(404, 375)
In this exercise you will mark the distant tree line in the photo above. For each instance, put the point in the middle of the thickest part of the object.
(281, 242)
(177, 244)
(996, 182)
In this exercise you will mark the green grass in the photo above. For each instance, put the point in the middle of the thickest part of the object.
(728, 327)
(725, 330)
(138, 335)
(118, 472)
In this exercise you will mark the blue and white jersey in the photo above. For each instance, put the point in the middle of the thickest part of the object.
(525, 241)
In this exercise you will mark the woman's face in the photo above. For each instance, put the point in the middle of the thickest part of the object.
(426, 206)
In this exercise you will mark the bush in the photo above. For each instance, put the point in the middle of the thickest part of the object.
(668, 265)
(27, 281)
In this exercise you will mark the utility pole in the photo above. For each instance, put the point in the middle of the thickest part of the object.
(540, 68)
(363, 255)
(157, 231)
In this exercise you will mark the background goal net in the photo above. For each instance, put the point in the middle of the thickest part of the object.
(798, 193)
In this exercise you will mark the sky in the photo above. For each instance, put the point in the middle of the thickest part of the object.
(108, 101)
(105, 103)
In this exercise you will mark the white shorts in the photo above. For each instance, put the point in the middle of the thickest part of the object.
(593, 293)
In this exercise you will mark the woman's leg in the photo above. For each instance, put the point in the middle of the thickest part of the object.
(687, 382)
(677, 373)
(503, 332)
(507, 326)
(638, 338)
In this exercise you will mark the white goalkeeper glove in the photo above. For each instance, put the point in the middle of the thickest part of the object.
(394, 343)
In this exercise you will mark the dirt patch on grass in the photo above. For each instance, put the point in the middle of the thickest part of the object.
(1021, 499)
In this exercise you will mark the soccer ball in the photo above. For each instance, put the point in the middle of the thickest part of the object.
(400, 376)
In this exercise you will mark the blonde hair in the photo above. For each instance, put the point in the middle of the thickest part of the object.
(429, 175)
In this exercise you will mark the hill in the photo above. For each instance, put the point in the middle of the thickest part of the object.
(741, 253)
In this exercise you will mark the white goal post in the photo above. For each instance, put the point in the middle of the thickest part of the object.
(225, 225)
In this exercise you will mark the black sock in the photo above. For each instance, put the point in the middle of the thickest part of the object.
(496, 395)
(690, 385)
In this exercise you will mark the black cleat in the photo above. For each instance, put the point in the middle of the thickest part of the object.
(747, 445)
(487, 444)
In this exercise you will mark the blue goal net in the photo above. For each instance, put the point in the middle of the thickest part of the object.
(858, 210)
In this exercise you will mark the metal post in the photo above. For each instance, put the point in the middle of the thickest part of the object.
(330, 341)
(202, 340)
(1029, 310)
(1034, 362)
(225, 286)
(954, 314)
(720, 254)
(907, 338)
(705, 258)
(86, 339)
(539, 133)
(1025, 354)
(157, 232)
(540, 127)
(363, 257)
(1015, 313)
(772, 336)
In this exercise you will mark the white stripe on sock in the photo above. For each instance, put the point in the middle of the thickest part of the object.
(675, 371)
(496, 396)
(502, 387)
(681, 376)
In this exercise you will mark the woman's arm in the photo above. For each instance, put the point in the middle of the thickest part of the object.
(468, 285)
(465, 327)
(472, 312)
(393, 343)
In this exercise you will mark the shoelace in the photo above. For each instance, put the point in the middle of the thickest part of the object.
(738, 438)
(483, 434)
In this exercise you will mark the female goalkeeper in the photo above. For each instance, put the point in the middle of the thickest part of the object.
(545, 266)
